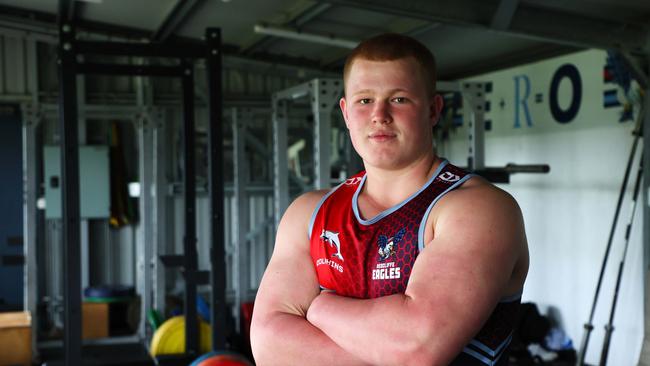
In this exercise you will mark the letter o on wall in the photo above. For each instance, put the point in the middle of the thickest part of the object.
(571, 72)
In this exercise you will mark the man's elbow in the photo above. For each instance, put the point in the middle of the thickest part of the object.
(421, 346)
(261, 338)
(415, 354)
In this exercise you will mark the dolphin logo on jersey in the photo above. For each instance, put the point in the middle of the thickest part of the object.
(333, 239)
(387, 245)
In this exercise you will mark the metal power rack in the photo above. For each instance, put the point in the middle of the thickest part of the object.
(323, 95)
(69, 67)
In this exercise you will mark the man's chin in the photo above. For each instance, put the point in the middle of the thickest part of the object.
(384, 164)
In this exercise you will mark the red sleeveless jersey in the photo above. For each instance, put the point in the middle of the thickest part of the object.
(372, 258)
(369, 258)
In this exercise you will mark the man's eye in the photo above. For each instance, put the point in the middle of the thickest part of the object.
(364, 101)
(399, 100)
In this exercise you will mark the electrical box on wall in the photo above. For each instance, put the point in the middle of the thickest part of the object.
(94, 181)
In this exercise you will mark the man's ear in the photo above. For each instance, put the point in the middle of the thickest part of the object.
(435, 108)
(344, 111)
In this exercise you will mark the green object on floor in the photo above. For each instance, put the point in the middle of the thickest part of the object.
(154, 318)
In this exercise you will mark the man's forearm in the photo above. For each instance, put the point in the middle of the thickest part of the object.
(380, 331)
(286, 339)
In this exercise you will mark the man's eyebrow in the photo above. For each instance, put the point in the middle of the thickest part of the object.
(362, 91)
(370, 91)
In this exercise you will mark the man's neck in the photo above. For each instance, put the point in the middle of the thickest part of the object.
(387, 188)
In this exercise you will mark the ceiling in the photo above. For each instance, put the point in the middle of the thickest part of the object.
(468, 37)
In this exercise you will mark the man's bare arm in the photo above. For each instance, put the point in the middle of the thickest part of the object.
(280, 333)
(456, 282)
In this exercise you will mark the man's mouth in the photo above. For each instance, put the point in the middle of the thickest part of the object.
(381, 136)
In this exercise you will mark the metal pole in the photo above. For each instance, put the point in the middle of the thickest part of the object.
(85, 222)
(609, 328)
(145, 122)
(31, 120)
(589, 325)
(159, 207)
(241, 215)
(644, 360)
(190, 262)
(215, 163)
(70, 200)
(30, 218)
(145, 240)
(324, 95)
(280, 161)
(473, 112)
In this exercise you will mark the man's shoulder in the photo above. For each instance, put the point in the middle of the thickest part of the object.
(305, 204)
(294, 225)
(479, 196)
(310, 198)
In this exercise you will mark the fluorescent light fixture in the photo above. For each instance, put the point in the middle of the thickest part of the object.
(307, 37)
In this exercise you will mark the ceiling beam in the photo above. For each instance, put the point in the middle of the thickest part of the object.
(310, 14)
(504, 61)
(175, 19)
(336, 60)
(305, 36)
(503, 16)
(531, 22)
(66, 11)
(32, 20)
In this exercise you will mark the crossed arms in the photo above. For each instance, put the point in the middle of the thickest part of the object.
(478, 255)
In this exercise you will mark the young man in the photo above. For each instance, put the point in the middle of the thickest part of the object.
(412, 262)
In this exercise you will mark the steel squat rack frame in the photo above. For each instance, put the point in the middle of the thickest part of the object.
(69, 67)
(323, 94)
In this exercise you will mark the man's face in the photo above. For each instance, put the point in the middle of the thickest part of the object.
(389, 113)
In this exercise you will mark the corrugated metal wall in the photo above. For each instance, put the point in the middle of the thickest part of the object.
(17, 57)
(13, 61)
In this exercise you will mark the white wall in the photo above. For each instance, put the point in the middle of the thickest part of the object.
(569, 212)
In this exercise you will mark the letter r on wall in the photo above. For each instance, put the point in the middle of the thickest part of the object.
(522, 99)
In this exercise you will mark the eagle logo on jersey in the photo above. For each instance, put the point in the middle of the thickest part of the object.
(387, 245)
(333, 239)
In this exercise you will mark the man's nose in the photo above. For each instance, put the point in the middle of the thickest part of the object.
(381, 112)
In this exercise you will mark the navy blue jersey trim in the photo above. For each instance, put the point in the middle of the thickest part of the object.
(479, 356)
(484, 353)
(428, 211)
(480, 345)
(326, 289)
(381, 215)
(511, 298)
